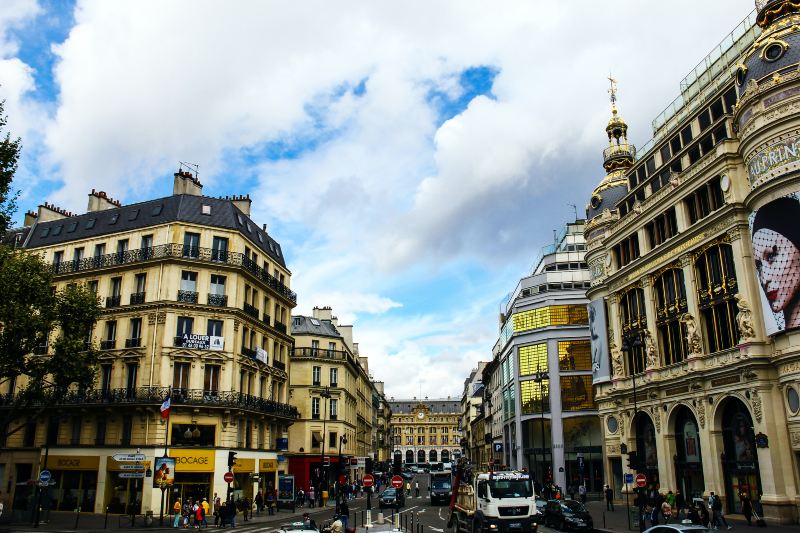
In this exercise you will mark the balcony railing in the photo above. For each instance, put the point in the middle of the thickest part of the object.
(319, 352)
(265, 318)
(279, 326)
(219, 300)
(108, 344)
(249, 352)
(251, 310)
(137, 298)
(156, 396)
(113, 301)
(280, 365)
(188, 297)
(133, 343)
(178, 251)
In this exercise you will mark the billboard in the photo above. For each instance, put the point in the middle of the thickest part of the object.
(775, 235)
(598, 331)
(164, 473)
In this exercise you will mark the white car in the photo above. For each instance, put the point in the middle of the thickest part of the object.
(296, 527)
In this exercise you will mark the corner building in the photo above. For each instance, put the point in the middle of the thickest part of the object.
(195, 301)
(695, 265)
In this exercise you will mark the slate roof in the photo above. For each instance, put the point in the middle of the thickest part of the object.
(435, 406)
(306, 325)
(177, 208)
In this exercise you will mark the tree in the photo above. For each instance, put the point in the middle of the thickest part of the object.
(9, 157)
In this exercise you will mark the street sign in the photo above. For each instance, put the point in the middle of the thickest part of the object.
(131, 475)
(369, 480)
(128, 457)
(641, 480)
(131, 467)
(397, 482)
(228, 477)
(45, 476)
(628, 479)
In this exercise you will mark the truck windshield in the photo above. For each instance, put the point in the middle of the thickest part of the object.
(510, 488)
(440, 484)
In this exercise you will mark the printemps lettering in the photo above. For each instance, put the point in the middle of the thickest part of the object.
(774, 156)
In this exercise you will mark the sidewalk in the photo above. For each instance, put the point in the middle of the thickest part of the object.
(616, 521)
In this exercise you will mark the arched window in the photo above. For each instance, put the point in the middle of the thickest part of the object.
(634, 322)
(670, 306)
(716, 288)
(445, 456)
(432, 456)
(409, 457)
(421, 456)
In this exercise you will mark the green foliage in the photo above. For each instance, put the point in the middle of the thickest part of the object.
(9, 157)
(32, 313)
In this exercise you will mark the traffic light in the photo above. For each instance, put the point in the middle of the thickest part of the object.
(231, 459)
(633, 461)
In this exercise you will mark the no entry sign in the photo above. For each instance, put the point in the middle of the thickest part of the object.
(397, 482)
(369, 480)
(228, 477)
(641, 480)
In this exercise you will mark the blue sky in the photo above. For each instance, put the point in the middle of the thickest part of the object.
(411, 158)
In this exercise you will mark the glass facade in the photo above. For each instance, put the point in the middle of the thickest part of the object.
(532, 358)
(554, 315)
(574, 355)
(576, 393)
(534, 397)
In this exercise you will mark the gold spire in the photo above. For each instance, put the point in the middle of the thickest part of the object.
(619, 154)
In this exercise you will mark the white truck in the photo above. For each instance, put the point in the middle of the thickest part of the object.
(493, 502)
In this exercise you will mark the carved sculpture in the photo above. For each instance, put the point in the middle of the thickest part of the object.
(650, 350)
(744, 319)
(692, 336)
(616, 361)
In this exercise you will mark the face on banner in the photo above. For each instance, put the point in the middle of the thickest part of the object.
(776, 252)
(164, 473)
(597, 329)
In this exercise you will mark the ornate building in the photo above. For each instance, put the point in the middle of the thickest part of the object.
(331, 386)
(425, 431)
(695, 259)
(195, 301)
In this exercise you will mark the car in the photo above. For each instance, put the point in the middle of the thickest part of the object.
(407, 474)
(296, 527)
(540, 505)
(392, 497)
(567, 514)
(669, 528)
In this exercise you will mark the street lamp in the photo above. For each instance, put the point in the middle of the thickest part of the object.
(631, 347)
(326, 393)
(539, 377)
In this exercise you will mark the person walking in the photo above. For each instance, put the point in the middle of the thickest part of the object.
(582, 492)
(666, 511)
(177, 510)
(609, 493)
(747, 507)
(717, 515)
(270, 501)
(680, 503)
(416, 489)
(259, 501)
(344, 514)
(311, 497)
(217, 511)
(206, 508)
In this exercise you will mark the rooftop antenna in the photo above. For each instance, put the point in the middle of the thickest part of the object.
(193, 166)
(575, 208)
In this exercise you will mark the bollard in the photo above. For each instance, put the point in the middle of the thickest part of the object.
(77, 516)
(604, 519)
(105, 526)
(380, 517)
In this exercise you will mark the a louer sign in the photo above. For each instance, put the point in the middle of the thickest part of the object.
(202, 342)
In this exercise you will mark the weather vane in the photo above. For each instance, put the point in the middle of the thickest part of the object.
(613, 90)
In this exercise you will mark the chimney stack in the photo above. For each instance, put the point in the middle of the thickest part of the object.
(322, 313)
(186, 183)
(48, 212)
(30, 218)
(243, 203)
(100, 201)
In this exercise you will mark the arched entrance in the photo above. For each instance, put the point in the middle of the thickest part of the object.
(409, 457)
(421, 456)
(445, 456)
(647, 453)
(432, 456)
(740, 461)
(688, 465)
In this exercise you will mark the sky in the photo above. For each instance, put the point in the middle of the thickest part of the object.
(412, 157)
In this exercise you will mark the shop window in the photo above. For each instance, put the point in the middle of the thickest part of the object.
(671, 304)
(704, 200)
(193, 435)
(576, 393)
(717, 286)
(532, 358)
(634, 322)
(574, 355)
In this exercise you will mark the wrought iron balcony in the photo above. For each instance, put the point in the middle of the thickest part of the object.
(280, 365)
(108, 344)
(219, 300)
(279, 326)
(619, 150)
(113, 301)
(249, 352)
(155, 396)
(265, 318)
(319, 352)
(251, 310)
(133, 343)
(137, 298)
(177, 251)
(189, 297)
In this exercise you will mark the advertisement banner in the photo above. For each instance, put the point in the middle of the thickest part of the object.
(598, 331)
(202, 342)
(776, 251)
(261, 355)
(164, 473)
(286, 488)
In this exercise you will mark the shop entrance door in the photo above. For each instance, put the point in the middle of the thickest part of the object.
(192, 486)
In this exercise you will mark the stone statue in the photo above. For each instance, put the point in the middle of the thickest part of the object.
(744, 319)
(616, 361)
(692, 335)
(651, 357)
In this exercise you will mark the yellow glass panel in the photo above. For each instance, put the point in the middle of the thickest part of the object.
(555, 315)
(574, 355)
(532, 358)
(576, 393)
(531, 397)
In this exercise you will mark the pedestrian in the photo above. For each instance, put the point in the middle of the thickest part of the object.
(654, 512)
(680, 503)
(609, 493)
(217, 510)
(717, 515)
(311, 498)
(259, 501)
(416, 489)
(408, 487)
(666, 511)
(270, 501)
(301, 498)
(703, 510)
(198, 515)
(308, 522)
(694, 515)
(247, 507)
(747, 507)
(230, 512)
(177, 510)
(206, 508)
(582, 492)
(344, 514)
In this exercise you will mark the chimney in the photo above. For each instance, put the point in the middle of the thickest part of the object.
(243, 203)
(30, 218)
(322, 313)
(347, 335)
(186, 183)
(334, 321)
(100, 201)
(48, 212)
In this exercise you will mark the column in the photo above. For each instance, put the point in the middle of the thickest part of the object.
(711, 447)
(667, 450)
(556, 417)
(650, 310)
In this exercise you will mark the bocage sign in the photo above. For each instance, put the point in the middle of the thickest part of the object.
(203, 342)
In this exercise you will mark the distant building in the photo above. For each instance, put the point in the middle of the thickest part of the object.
(425, 431)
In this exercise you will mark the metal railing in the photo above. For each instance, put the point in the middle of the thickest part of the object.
(133, 343)
(251, 310)
(265, 319)
(178, 251)
(108, 344)
(113, 301)
(218, 300)
(249, 352)
(319, 352)
(157, 395)
(280, 365)
(624, 149)
(189, 297)
(137, 298)
(279, 326)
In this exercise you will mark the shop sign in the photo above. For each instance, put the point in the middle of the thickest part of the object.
(268, 465)
(244, 465)
(203, 342)
(772, 157)
(72, 462)
(261, 354)
(193, 460)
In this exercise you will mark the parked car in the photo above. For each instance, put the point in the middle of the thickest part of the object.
(567, 514)
(670, 528)
(407, 474)
(392, 497)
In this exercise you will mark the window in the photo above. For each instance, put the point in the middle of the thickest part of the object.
(217, 284)
(663, 227)
(147, 242)
(51, 437)
(75, 436)
(139, 283)
(58, 257)
(122, 247)
(704, 200)
(93, 286)
(315, 408)
(127, 429)
(316, 375)
(180, 376)
(135, 330)
(188, 281)
(334, 403)
(191, 244)
(133, 371)
(421, 440)
(576, 393)
(534, 396)
(314, 348)
(532, 358)
(100, 431)
(671, 304)
(634, 322)
(334, 377)
(211, 379)
(116, 288)
(574, 355)
(214, 328)
(29, 438)
(331, 349)
(716, 288)
(110, 335)
(185, 325)
(105, 379)
(219, 249)
(627, 250)
(77, 255)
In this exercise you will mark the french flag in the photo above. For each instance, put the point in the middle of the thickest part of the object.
(165, 408)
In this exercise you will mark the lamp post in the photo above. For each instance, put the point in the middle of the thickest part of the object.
(326, 393)
(539, 377)
(631, 346)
